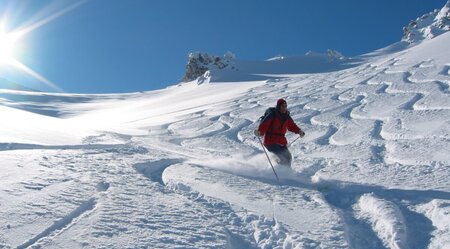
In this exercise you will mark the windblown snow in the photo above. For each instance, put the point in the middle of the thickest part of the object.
(181, 168)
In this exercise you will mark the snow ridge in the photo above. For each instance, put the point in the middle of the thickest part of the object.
(386, 219)
(438, 211)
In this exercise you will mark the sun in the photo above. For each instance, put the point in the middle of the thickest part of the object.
(7, 42)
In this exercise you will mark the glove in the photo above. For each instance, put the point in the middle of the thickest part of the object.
(257, 133)
(301, 133)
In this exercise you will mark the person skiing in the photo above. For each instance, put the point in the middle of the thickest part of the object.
(273, 127)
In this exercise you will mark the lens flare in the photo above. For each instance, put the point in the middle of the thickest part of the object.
(8, 41)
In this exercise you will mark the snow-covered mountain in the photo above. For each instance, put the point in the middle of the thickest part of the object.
(428, 26)
(200, 63)
(205, 68)
(180, 167)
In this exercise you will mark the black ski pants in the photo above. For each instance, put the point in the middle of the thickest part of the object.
(282, 152)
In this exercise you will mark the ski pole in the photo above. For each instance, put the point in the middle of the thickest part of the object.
(268, 158)
(294, 140)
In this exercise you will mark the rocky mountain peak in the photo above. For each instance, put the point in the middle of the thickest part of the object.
(199, 63)
(428, 26)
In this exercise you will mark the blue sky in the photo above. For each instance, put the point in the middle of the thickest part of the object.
(105, 46)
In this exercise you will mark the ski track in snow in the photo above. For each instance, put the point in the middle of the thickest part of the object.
(360, 178)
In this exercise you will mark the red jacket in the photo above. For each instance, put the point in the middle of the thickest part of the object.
(274, 127)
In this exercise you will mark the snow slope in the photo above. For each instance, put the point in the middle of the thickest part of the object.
(180, 167)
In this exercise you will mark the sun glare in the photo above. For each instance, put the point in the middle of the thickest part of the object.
(7, 42)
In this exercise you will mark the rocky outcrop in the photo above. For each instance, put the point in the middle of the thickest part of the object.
(200, 63)
(428, 26)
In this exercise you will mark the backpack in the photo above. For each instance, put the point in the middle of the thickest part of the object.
(268, 111)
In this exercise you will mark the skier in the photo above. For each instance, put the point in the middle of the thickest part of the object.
(274, 125)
